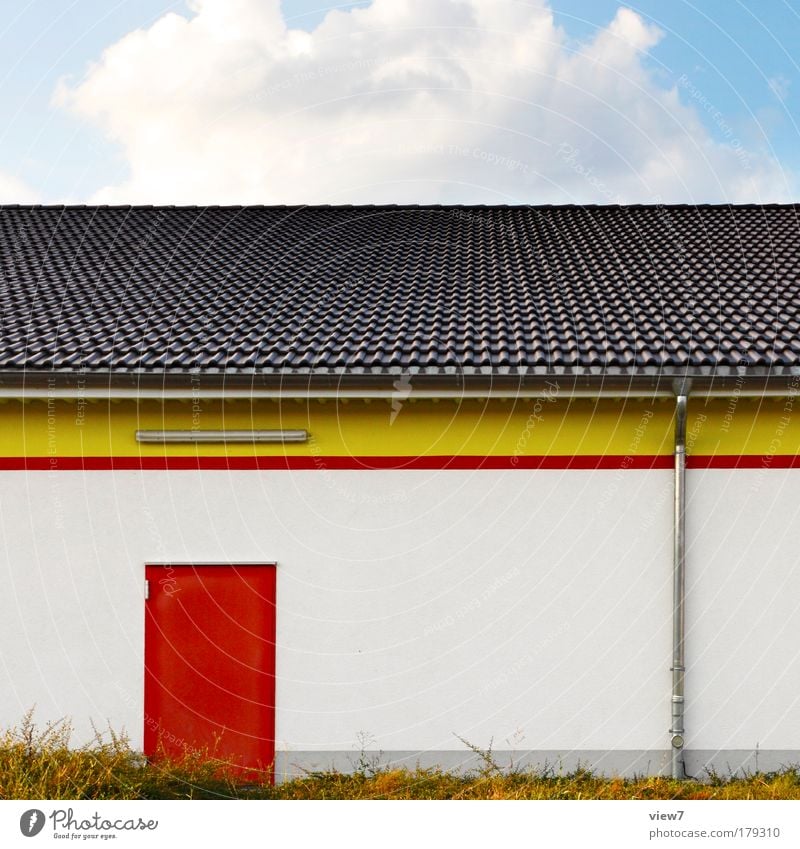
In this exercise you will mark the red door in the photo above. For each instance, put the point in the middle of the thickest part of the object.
(210, 662)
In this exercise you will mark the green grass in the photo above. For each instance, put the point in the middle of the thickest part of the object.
(40, 764)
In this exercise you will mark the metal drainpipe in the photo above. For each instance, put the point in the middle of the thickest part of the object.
(679, 586)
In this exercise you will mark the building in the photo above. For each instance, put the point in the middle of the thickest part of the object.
(406, 480)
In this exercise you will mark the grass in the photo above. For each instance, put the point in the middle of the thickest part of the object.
(40, 764)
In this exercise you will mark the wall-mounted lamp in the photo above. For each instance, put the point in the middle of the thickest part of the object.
(162, 436)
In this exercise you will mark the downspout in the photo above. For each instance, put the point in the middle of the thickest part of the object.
(679, 585)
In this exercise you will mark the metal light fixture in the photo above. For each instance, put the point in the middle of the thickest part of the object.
(163, 436)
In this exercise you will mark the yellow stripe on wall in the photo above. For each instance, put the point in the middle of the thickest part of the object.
(546, 426)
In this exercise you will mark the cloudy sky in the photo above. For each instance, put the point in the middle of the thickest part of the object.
(459, 101)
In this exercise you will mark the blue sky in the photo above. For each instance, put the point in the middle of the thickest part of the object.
(736, 56)
(733, 49)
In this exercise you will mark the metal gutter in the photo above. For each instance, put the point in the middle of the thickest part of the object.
(403, 386)
(678, 668)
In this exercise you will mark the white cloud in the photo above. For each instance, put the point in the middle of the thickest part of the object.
(780, 86)
(403, 101)
(14, 190)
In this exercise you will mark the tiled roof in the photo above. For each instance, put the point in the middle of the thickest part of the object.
(490, 289)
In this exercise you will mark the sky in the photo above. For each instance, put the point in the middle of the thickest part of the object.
(408, 101)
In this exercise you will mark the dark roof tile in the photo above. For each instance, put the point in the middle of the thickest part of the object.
(294, 288)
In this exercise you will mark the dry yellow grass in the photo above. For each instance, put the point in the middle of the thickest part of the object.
(41, 764)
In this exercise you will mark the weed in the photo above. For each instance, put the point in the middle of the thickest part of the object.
(41, 764)
(368, 763)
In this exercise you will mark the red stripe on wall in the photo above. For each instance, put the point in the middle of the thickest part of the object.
(319, 463)
(744, 461)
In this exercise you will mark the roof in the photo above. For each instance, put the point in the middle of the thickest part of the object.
(377, 289)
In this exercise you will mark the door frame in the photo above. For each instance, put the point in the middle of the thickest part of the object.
(199, 564)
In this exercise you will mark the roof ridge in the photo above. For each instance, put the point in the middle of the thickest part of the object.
(408, 206)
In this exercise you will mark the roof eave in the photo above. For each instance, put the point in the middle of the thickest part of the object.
(566, 381)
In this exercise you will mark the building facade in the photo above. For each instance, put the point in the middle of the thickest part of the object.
(313, 564)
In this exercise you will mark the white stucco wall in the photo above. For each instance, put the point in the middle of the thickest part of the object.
(528, 608)
(743, 608)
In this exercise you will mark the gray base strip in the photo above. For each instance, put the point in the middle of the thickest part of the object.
(702, 763)
(626, 763)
